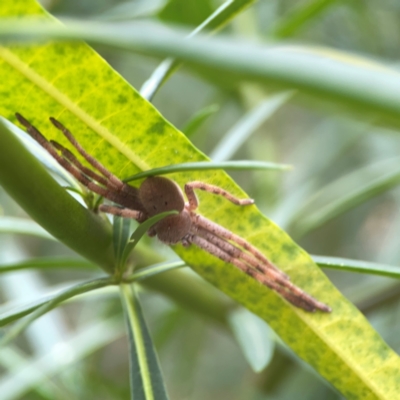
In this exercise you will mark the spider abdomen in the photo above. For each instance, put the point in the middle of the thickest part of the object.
(174, 228)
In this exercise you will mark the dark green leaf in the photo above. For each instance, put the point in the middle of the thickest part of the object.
(365, 267)
(254, 336)
(52, 263)
(38, 310)
(198, 119)
(236, 165)
(146, 378)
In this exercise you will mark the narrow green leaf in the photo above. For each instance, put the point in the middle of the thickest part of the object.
(131, 10)
(225, 13)
(247, 125)
(346, 193)
(52, 303)
(198, 119)
(310, 178)
(81, 344)
(140, 231)
(365, 267)
(358, 84)
(52, 263)
(146, 379)
(254, 337)
(186, 12)
(12, 361)
(121, 231)
(153, 270)
(15, 313)
(23, 226)
(48, 203)
(349, 352)
(295, 20)
(236, 165)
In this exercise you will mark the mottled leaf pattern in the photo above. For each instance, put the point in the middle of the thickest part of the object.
(72, 83)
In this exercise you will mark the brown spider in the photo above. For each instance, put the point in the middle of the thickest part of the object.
(158, 194)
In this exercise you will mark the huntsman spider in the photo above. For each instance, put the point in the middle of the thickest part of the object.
(159, 194)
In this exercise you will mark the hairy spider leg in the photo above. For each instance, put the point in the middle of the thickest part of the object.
(87, 171)
(127, 199)
(236, 254)
(114, 180)
(219, 230)
(194, 202)
(122, 212)
(231, 249)
(90, 159)
(305, 303)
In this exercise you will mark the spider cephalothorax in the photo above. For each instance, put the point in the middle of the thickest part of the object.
(159, 194)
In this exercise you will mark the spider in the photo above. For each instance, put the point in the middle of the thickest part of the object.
(159, 194)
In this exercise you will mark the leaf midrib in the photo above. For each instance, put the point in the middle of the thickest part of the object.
(71, 106)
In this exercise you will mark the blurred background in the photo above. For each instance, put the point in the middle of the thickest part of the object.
(341, 199)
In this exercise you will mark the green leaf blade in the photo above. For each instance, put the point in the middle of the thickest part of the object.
(146, 378)
(344, 264)
(254, 337)
(49, 204)
(342, 346)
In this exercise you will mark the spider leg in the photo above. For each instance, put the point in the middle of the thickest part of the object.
(128, 197)
(122, 212)
(304, 301)
(90, 159)
(220, 231)
(234, 251)
(73, 160)
(194, 203)
(114, 181)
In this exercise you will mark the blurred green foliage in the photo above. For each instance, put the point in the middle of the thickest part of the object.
(334, 152)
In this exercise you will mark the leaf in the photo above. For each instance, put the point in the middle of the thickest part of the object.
(345, 264)
(254, 337)
(188, 12)
(215, 21)
(15, 313)
(36, 311)
(121, 228)
(140, 231)
(155, 269)
(46, 263)
(48, 204)
(237, 136)
(146, 379)
(342, 346)
(198, 119)
(22, 226)
(346, 193)
(43, 156)
(300, 17)
(79, 344)
(131, 10)
(8, 315)
(236, 165)
(363, 86)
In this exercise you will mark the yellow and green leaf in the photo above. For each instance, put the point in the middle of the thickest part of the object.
(72, 83)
